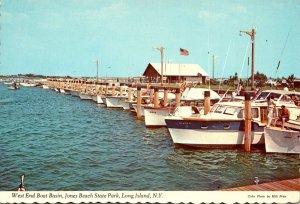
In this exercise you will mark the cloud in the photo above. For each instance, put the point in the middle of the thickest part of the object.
(210, 15)
(239, 9)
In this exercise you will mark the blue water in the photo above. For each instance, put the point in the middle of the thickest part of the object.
(63, 143)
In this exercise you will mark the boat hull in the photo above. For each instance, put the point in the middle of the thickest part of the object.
(45, 87)
(99, 99)
(74, 93)
(125, 104)
(114, 101)
(134, 105)
(212, 134)
(155, 117)
(282, 141)
(85, 96)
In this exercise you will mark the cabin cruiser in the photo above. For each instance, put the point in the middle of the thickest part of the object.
(224, 125)
(192, 98)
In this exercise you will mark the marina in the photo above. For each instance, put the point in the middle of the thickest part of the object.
(91, 147)
(149, 101)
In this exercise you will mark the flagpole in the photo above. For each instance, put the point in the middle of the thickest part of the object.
(161, 49)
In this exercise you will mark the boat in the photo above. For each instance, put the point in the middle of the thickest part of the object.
(25, 84)
(279, 140)
(74, 93)
(13, 86)
(115, 101)
(118, 100)
(45, 86)
(223, 126)
(155, 117)
(85, 96)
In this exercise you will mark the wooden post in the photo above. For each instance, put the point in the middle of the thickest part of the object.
(206, 102)
(97, 85)
(139, 102)
(248, 118)
(88, 87)
(156, 99)
(151, 94)
(177, 99)
(84, 86)
(166, 91)
(113, 91)
(129, 92)
(106, 89)
(101, 89)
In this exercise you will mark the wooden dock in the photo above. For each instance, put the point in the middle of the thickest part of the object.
(285, 185)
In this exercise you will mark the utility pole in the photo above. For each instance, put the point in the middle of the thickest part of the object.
(252, 35)
(161, 49)
(97, 69)
(213, 75)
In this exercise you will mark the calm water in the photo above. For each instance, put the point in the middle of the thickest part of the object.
(63, 143)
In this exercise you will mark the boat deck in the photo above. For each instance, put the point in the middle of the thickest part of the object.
(284, 185)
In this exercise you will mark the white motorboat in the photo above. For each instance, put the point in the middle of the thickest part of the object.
(115, 101)
(45, 86)
(25, 84)
(94, 98)
(64, 91)
(279, 140)
(85, 96)
(103, 98)
(224, 124)
(74, 93)
(155, 117)
(13, 86)
(99, 99)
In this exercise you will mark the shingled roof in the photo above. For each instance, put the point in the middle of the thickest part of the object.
(178, 69)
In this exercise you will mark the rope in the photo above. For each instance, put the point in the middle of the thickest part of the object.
(246, 52)
(224, 65)
(282, 51)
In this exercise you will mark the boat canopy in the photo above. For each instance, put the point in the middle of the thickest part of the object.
(193, 94)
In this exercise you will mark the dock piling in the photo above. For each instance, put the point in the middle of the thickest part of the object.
(139, 102)
(177, 99)
(129, 92)
(248, 118)
(166, 96)
(156, 99)
(206, 102)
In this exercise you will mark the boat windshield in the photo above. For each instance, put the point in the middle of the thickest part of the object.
(213, 109)
(275, 96)
(220, 109)
(254, 112)
(262, 95)
(231, 110)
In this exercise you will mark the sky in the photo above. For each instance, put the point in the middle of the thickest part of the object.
(66, 37)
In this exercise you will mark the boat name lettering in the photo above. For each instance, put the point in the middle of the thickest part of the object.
(185, 123)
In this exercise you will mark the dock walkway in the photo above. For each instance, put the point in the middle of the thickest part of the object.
(284, 185)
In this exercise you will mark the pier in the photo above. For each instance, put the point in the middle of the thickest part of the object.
(284, 185)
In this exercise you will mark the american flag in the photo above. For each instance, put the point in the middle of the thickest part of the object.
(184, 52)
